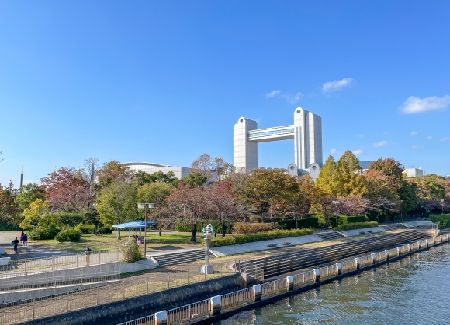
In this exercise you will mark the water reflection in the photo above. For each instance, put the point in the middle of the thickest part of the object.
(414, 290)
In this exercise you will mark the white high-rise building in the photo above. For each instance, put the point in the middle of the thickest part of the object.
(306, 133)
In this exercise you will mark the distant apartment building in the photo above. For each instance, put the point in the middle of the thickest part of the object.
(150, 168)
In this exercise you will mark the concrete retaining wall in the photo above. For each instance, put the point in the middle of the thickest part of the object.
(140, 306)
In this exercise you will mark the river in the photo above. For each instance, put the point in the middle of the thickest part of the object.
(414, 290)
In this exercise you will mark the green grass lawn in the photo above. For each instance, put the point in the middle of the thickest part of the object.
(111, 243)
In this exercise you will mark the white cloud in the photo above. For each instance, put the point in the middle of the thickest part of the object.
(336, 84)
(417, 146)
(273, 93)
(380, 144)
(445, 139)
(413, 133)
(414, 105)
(429, 137)
(290, 98)
(333, 151)
(358, 152)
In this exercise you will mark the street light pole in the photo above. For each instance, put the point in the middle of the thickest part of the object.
(145, 206)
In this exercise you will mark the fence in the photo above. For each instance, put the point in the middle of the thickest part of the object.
(24, 267)
(234, 300)
(112, 292)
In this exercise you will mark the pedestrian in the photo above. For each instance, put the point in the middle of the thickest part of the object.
(88, 252)
(25, 239)
(15, 243)
(21, 237)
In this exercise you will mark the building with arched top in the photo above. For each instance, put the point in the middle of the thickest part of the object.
(150, 168)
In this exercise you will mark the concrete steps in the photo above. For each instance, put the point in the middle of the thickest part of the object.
(176, 258)
(330, 235)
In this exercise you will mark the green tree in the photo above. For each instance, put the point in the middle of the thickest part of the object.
(154, 193)
(195, 179)
(157, 177)
(431, 190)
(117, 203)
(113, 171)
(34, 213)
(29, 193)
(9, 211)
(391, 169)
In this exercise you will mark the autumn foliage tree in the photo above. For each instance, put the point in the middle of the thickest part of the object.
(67, 190)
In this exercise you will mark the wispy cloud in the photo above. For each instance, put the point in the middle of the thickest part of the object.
(273, 93)
(445, 139)
(358, 152)
(380, 144)
(417, 146)
(333, 151)
(288, 97)
(335, 85)
(414, 105)
(429, 137)
(413, 133)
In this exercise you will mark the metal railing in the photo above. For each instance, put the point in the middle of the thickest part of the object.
(25, 267)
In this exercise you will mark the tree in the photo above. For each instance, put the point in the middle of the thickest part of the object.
(117, 203)
(34, 213)
(195, 179)
(349, 180)
(382, 196)
(192, 204)
(303, 199)
(67, 190)
(29, 193)
(352, 205)
(154, 193)
(223, 202)
(89, 174)
(212, 168)
(431, 190)
(157, 177)
(391, 169)
(270, 190)
(113, 171)
(327, 177)
(9, 211)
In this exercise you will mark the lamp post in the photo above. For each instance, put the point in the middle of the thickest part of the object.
(207, 232)
(145, 206)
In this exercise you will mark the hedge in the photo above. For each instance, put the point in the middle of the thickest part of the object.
(182, 226)
(308, 222)
(443, 219)
(336, 221)
(85, 229)
(267, 235)
(44, 232)
(357, 225)
(251, 227)
(69, 234)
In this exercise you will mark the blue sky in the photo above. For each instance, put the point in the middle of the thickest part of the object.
(165, 81)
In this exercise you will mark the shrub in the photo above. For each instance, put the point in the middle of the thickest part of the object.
(69, 219)
(85, 229)
(308, 222)
(443, 219)
(357, 225)
(353, 219)
(251, 228)
(44, 232)
(104, 231)
(246, 238)
(130, 251)
(68, 234)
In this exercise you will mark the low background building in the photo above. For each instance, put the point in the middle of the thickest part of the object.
(413, 172)
(150, 168)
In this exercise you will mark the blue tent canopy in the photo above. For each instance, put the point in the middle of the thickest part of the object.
(139, 224)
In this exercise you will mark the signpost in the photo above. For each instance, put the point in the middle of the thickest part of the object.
(207, 231)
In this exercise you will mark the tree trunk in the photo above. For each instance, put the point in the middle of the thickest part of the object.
(118, 233)
(194, 233)
(223, 229)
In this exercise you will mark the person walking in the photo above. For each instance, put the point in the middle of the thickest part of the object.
(15, 244)
(21, 237)
(25, 239)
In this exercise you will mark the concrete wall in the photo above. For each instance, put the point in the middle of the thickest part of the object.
(140, 306)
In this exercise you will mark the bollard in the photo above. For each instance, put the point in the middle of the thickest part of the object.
(290, 283)
(373, 256)
(357, 262)
(161, 318)
(214, 305)
(316, 273)
(339, 268)
(257, 292)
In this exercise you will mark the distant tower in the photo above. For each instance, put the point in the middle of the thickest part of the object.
(306, 133)
(245, 152)
(21, 181)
